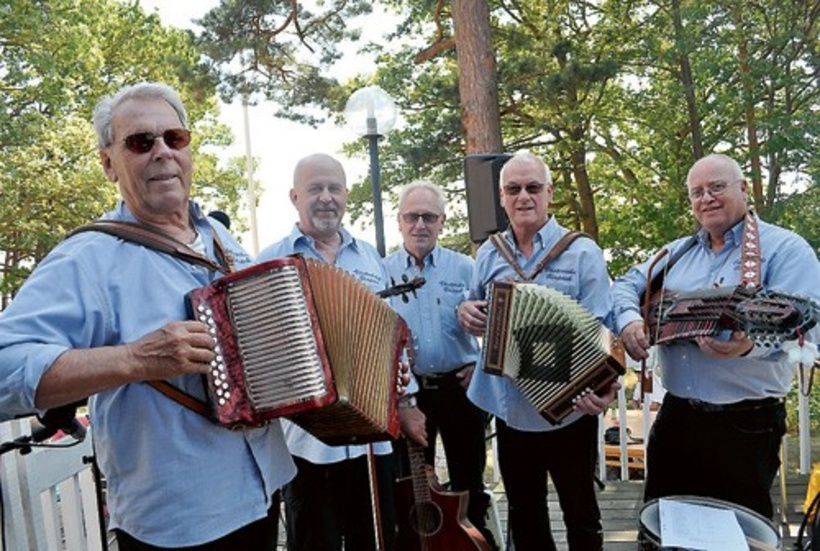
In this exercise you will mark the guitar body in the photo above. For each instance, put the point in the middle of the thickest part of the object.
(435, 524)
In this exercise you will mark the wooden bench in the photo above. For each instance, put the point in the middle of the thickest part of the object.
(634, 456)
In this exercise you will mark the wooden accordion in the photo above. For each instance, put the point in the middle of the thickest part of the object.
(301, 339)
(767, 317)
(551, 347)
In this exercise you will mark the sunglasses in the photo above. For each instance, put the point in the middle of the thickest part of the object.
(531, 189)
(413, 217)
(143, 142)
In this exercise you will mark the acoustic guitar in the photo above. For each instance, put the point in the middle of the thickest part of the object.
(429, 517)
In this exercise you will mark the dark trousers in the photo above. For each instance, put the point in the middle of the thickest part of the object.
(569, 455)
(328, 507)
(262, 534)
(462, 427)
(728, 455)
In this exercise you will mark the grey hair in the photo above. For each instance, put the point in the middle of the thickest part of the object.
(104, 111)
(725, 160)
(525, 157)
(441, 202)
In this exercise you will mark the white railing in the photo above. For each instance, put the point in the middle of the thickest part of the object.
(803, 433)
(49, 496)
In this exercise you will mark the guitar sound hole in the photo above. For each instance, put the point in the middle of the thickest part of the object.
(427, 518)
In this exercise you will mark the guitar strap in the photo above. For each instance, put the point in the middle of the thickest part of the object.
(164, 243)
(750, 253)
(506, 252)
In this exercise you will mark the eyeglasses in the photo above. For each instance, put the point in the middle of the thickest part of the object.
(533, 188)
(143, 142)
(715, 189)
(413, 217)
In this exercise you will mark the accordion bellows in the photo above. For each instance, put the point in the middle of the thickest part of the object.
(302, 339)
(551, 347)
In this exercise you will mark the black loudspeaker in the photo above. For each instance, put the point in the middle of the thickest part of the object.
(484, 211)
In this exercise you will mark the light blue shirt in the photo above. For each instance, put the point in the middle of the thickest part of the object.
(580, 273)
(788, 265)
(362, 261)
(441, 345)
(174, 478)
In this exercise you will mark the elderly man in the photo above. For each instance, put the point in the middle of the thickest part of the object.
(529, 446)
(101, 316)
(719, 430)
(328, 504)
(445, 354)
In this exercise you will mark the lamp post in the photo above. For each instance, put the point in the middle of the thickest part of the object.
(371, 113)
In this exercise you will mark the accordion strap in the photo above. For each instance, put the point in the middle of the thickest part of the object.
(164, 243)
(160, 241)
(507, 253)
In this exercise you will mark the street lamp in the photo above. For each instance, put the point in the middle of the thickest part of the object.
(371, 113)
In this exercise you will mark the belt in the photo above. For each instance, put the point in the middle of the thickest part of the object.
(744, 405)
(435, 381)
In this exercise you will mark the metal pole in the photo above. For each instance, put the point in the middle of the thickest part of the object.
(373, 138)
(249, 174)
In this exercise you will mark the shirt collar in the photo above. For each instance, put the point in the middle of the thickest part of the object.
(432, 258)
(297, 235)
(549, 233)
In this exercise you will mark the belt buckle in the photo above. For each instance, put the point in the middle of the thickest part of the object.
(428, 382)
(705, 407)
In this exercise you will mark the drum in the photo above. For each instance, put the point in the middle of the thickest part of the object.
(760, 534)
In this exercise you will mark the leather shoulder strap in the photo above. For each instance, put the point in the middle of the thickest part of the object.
(182, 397)
(507, 253)
(156, 240)
(556, 250)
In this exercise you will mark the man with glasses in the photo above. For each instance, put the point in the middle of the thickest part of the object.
(101, 317)
(445, 354)
(328, 503)
(719, 430)
(529, 447)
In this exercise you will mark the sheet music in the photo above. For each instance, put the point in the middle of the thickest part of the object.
(701, 527)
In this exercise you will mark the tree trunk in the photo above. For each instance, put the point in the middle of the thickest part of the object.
(477, 77)
(687, 81)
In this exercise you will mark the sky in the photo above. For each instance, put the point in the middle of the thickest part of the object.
(276, 145)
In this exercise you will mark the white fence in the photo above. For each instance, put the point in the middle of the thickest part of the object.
(49, 496)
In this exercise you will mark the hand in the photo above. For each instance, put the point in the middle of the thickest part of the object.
(413, 426)
(738, 345)
(635, 340)
(465, 376)
(472, 316)
(593, 404)
(178, 348)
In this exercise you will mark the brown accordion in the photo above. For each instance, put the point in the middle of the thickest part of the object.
(551, 347)
(302, 339)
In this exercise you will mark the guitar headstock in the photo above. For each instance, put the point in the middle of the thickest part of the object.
(406, 287)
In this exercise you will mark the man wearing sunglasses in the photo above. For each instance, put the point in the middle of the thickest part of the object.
(445, 354)
(101, 316)
(720, 427)
(529, 446)
(328, 504)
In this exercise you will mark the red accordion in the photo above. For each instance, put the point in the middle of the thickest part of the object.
(302, 339)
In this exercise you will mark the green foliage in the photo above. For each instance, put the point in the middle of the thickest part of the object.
(58, 57)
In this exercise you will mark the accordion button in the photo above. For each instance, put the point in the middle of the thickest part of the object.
(209, 312)
(220, 358)
(219, 391)
(225, 385)
(215, 373)
(200, 308)
(221, 401)
(203, 319)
